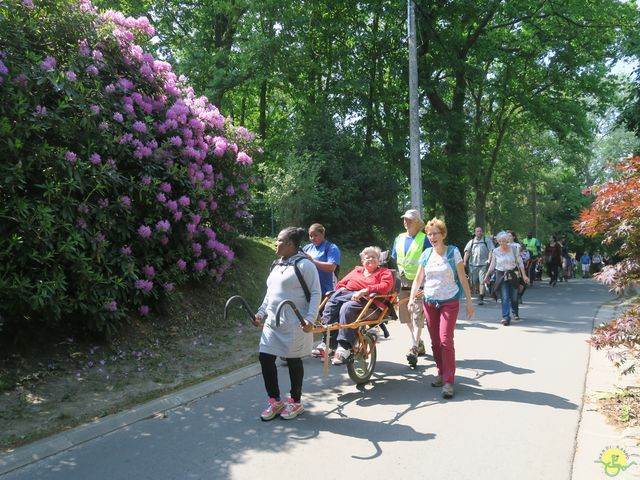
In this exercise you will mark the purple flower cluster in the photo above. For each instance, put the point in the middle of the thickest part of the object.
(161, 159)
(48, 64)
(144, 285)
(144, 231)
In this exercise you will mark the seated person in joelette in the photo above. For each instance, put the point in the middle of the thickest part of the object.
(350, 297)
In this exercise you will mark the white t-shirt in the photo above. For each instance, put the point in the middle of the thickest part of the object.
(439, 278)
(504, 261)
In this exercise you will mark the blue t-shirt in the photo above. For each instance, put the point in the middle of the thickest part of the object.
(324, 254)
(585, 259)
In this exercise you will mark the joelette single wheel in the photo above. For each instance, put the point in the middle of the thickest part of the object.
(363, 362)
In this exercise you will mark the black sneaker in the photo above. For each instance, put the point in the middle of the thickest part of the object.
(412, 356)
(481, 301)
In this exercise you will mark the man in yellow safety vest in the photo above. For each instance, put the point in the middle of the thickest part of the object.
(407, 248)
(532, 244)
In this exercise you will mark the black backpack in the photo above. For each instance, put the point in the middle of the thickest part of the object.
(293, 260)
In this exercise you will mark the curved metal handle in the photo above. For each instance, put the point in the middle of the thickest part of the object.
(295, 310)
(243, 302)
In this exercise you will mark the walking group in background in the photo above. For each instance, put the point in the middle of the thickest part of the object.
(433, 278)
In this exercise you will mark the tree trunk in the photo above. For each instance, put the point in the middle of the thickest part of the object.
(373, 70)
(534, 207)
(481, 209)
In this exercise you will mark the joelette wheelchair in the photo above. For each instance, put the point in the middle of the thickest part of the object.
(362, 362)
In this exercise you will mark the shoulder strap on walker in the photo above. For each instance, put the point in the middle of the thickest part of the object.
(294, 261)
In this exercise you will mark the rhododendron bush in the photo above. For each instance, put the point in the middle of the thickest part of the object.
(615, 213)
(117, 182)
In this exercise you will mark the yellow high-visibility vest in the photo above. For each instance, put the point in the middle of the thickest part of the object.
(532, 245)
(408, 262)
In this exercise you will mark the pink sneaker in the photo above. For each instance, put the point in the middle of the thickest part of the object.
(273, 410)
(291, 410)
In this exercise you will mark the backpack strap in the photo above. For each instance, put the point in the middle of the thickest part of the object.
(452, 263)
(294, 261)
(303, 284)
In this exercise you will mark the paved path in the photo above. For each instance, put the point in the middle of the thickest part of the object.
(515, 414)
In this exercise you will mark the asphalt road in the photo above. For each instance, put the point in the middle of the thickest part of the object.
(514, 416)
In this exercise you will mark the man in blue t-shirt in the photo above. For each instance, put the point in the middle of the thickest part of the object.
(585, 263)
(324, 255)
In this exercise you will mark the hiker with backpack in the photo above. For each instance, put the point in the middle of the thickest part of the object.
(442, 278)
(476, 255)
(350, 297)
(293, 277)
(505, 261)
(324, 255)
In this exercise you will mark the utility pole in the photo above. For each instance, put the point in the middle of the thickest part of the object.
(414, 126)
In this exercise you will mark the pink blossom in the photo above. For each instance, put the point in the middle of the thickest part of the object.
(95, 159)
(200, 265)
(176, 141)
(148, 271)
(27, 3)
(140, 127)
(103, 202)
(125, 84)
(172, 205)
(71, 76)
(48, 64)
(144, 310)
(202, 204)
(110, 88)
(111, 306)
(146, 180)
(70, 156)
(168, 286)
(244, 159)
(181, 264)
(145, 285)
(92, 70)
(41, 111)
(83, 48)
(165, 187)
(197, 249)
(103, 125)
(184, 201)
(125, 200)
(191, 228)
(125, 250)
(161, 197)
(146, 71)
(163, 226)
(144, 231)
(177, 216)
(95, 109)
(118, 117)
(160, 66)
